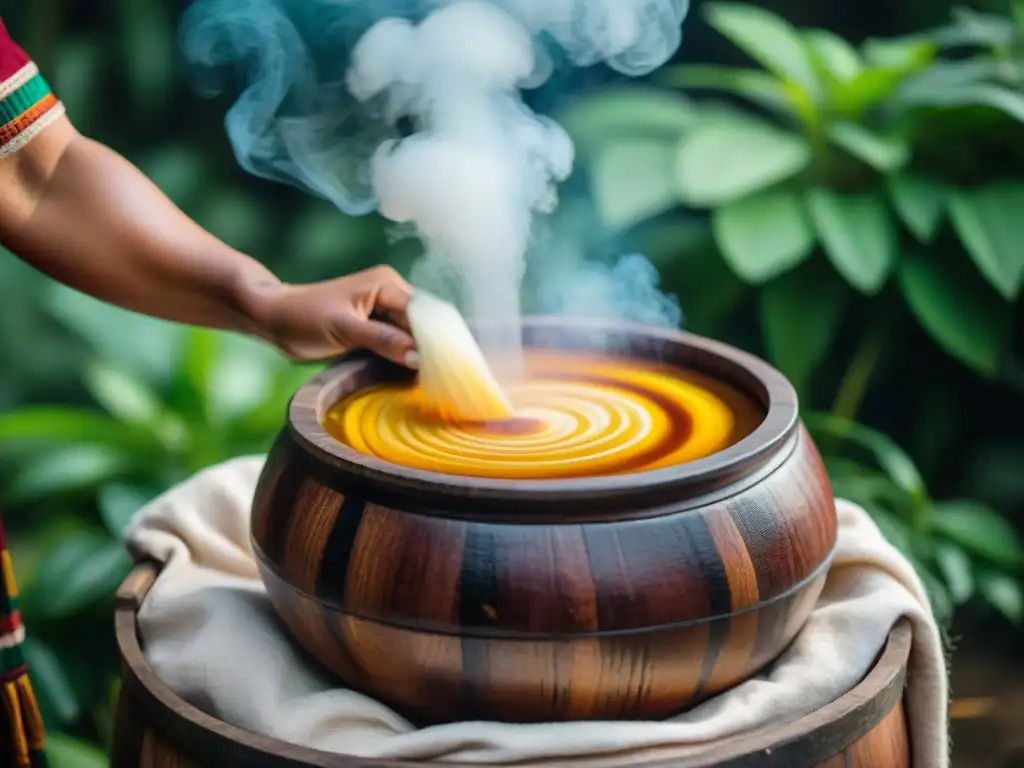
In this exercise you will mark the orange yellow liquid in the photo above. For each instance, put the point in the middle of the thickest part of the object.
(576, 416)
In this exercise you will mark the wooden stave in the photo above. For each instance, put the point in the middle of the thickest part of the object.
(864, 728)
(736, 607)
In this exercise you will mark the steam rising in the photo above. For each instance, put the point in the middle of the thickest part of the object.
(413, 107)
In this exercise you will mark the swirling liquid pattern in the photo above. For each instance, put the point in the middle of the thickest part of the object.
(576, 416)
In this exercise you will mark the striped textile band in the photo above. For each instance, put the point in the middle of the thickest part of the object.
(27, 106)
(22, 733)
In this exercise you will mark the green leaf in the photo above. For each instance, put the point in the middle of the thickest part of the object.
(920, 203)
(634, 179)
(243, 376)
(634, 112)
(143, 346)
(857, 234)
(884, 154)
(955, 567)
(726, 161)
(67, 469)
(905, 54)
(892, 528)
(49, 679)
(124, 397)
(1004, 593)
(753, 84)
(768, 39)
(66, 423)
(64, 751)
(833, 55)
(81, 570)
(938, 595)
(763, 235)
(958, 311)
(119, 503)
(892, 459)
(800, 315)
(980, 529)
(990, 225)
(972, 28)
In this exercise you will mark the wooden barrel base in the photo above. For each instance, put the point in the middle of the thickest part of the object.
(155, 728)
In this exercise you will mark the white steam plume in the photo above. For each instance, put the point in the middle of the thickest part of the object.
(477, 167)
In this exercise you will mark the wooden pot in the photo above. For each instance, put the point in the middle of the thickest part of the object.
(155, 728)
(629, 596)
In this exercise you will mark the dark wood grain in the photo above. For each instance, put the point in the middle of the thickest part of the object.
(632, 596)
(157, 729)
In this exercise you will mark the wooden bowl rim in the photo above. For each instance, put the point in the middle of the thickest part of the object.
(834, 727)
(307, 406)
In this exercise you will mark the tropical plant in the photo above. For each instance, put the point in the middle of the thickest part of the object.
(167, 401)
(853, 191)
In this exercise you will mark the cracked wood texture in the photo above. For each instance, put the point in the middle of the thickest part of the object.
(621, 597)
(154, 728)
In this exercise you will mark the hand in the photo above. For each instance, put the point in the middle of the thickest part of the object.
(320, 320)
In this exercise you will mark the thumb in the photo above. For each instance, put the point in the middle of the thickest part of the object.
(384, 339)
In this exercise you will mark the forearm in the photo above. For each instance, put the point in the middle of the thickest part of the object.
(81, 213)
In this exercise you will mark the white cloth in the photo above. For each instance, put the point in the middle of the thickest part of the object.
(211, 636)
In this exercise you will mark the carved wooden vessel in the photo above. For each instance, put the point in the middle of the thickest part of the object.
(626, 596)
(865, 728)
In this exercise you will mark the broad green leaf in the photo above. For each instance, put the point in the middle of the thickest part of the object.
(1004, 593)
(990, 225)
(973, 28)
(919, 201)
(905, 54)
(955, 567)
(634, 179)
(727, 161)
(627, 113)
(857, 234)
(50, 681)
(81, 570)
(144, 346)
(800, 315)
(868, 90)
(119, 503)
(980, 529)
(129, 400)
(763, 235)
(958, 311)
(123, 396)
(242, 377)
(65, 751)
(67, 469)
(768, 39)
(884, 154)
(67, 424)
(832, 54)
(997, 97)
(892, 459)
(892, 528)
(938, 595)
(753, 84)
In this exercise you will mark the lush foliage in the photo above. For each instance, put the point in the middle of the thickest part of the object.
(854, 203)
(852, 190)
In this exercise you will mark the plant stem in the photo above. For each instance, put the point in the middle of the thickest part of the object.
(858, 372)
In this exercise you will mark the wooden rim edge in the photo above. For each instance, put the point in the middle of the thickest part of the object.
(862, 707)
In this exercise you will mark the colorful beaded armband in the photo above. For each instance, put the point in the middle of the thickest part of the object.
(27, 106)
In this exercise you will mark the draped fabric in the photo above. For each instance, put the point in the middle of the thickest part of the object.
(27, 106)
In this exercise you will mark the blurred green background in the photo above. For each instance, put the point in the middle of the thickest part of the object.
(838, 187)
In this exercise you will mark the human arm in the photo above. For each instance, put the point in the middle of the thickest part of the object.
(79, 212)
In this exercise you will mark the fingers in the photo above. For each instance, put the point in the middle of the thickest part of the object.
(393, 292)
(384, 339)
